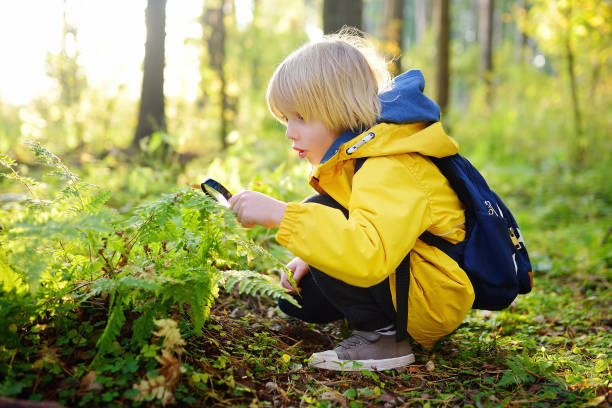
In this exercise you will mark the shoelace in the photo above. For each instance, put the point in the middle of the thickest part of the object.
(353, 341)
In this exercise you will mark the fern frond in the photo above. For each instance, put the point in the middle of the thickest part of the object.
(255, 284)
(143, 325)
(112, 329)
(203, 292)
(95, 203)
(45, 156)
(7, 161)
(102, 285)
(255, 249)
(30, 263)
(26, 181)
(155, 216)
(62, 171)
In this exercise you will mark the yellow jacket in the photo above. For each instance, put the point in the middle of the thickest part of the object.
(397, 195)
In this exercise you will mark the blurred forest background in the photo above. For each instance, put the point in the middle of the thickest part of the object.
(520, 83)
(524, 86)
(146, 97)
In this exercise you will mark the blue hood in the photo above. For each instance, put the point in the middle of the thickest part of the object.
(404, 103)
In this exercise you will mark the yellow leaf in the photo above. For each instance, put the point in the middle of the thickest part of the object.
(285, 358)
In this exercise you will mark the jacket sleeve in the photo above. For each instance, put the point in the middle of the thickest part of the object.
(388, 210)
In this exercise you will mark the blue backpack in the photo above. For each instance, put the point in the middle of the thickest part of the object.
(493, 253)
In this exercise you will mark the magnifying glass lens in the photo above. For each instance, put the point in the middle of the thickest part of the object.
(216, 190)
(217, 196)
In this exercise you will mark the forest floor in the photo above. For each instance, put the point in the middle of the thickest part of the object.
(551, 348)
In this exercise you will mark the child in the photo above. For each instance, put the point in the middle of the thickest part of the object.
(338, 104)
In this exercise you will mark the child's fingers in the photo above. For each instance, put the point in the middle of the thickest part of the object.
(235, 199)
(286, 284)
(299, 272)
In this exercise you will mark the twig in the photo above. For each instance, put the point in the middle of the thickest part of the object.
(65, 252)
(13, 403)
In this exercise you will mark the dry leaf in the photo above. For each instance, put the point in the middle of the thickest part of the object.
(335, 396)
(87, 382)
(171, 368)
(154, 387)
(169, 331)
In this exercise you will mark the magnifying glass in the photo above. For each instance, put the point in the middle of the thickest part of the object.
(216, 191)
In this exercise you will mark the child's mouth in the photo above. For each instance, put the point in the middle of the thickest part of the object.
(301, 153)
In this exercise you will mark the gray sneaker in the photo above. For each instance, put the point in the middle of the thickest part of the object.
(365, 351)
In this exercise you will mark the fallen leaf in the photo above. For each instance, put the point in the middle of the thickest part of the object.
(430, 366)
(87, 382)
(335, 396)
(387, 397)
(171, 369)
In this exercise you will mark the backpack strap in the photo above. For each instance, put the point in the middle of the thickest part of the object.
(435, 241)
(358, 163)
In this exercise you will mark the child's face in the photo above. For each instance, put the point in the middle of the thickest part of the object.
(310, 139)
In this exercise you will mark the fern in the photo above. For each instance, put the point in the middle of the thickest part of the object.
(172, 253)
(255, 284)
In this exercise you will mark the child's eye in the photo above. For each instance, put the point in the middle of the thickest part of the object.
(284, 118)
(299, 116)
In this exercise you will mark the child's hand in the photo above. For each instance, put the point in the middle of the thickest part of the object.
(253, 208)
(299, 268)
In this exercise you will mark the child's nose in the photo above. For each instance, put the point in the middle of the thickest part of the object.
(289, 133)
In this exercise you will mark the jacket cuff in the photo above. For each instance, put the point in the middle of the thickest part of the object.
(286, 229)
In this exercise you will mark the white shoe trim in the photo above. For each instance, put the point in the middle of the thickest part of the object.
(329, 360)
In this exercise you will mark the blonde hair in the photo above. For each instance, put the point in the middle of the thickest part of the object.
(336, 80)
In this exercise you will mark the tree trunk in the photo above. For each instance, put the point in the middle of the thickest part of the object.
(338, 13)
(214, 18)
(485, 34)
(579, 148)
(152, 117)
(520, 42)
(443, 79)
(393, 25)
(420, 19)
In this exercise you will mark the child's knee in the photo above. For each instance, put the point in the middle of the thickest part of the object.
(288, 308)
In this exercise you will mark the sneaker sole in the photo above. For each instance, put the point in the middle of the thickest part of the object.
(358, 365)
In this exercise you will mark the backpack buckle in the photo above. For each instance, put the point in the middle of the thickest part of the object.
(514, 239)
